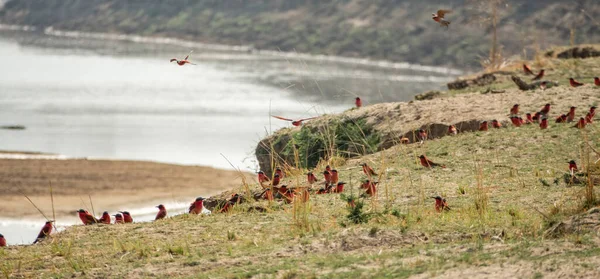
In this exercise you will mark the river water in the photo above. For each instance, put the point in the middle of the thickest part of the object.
(116, 98)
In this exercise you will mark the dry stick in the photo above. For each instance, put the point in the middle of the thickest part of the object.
(38, 209)
(52, 201)
(92, 205)
(242, 176)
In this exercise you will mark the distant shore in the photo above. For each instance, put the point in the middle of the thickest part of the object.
(112, 185)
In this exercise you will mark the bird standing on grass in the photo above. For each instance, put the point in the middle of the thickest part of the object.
(428, 163)
(368, 170)
(571, 114)
(452, 130)
(46, 230)
(496, 124)
(86, 217)
(574, 83)
(126, 217)
(358, 102)
(119, 218)
(441, 204)
(334, 177)
(561, 119)
(2, 241)
(339, 187)
(105, 219)
(184, 61)
(276, 180)
(439, 17)
(197, 205)
(544, 123)
(162, 212)
(528, 118)
(597, 81)
(573, 167)
(589, 118)
(483, 126)
(294, 122)
(545, 110)
(310, 177)
(262, 177)
(580, 124)
(593, 111)
(514, 110)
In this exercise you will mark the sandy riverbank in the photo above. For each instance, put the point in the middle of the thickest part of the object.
(113, 185)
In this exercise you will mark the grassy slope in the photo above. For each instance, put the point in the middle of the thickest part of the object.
(383, 29)
(404, 237)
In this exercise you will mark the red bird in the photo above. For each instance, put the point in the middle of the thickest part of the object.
(597, 81)
(268, 194)
(262, 177)
(368, 170)
(279, 172)
(358, 102)
(294, 122)
(593, 111)
(2, 241)
(422, 135)
(327, 176)
(162, 212)
(428, 163)
(452, 130)
(514, 110)
(539, 76)
(46, 230)
(571, 114)
(339, 187)
(483, 126)
(230, 203)
(528, 120)
(440, 204)
(580, 124)
(127, 217)
(561, 119)
(527, 70)
(86, 217)
(327, 168)
(572, 166)
(311, 178)
(105, 219)
(536, 117)
(544, 123)
(196, 206)
(276, 180)
(184, 61)
(439, 17)
(119, 218)
(288, 194)
(545, 110)
(574, 83)
(589, 118)
(516, 121)
(334, 177)
(371, 187)
(543, 85)
(496, 124)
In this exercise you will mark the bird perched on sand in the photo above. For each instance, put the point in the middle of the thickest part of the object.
(119, 218)
(597, 81)
(162, 212)
(452, 130)
(368, 170)
(46, 230)
(527, 70)
(574, 83)
(539, 76)
(440, 17)
(196, 206)
(126, 217)
(483, 126)
(86, 217)
(296, 123)
(358, 102)
(105, 219)
(544, 123)
(571, 114)
(428, 163)
(184, 61)
(2, 241)
(441, 204)
(580, 124)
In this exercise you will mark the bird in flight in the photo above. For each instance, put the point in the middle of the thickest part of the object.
(294, 122)
(184, 61)
(439, 17)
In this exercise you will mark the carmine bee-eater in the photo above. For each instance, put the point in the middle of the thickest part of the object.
(368, 170)
(528, 119)
(311, 178)
(294, 122)
(184, 61)
(544, 123)
(46, 230)
(262, 177)
(561, 119)
(597, 81)
(439, 17)
(126, 217)
(573, 167)
(279, 172)
(276, 180)
(580, 124)
(545, 110)
(593, 111)
(422, 135)
(288, 194)
(496, 124)
(162, 212)
(2, 241)
(452, 130)
(539, 76)
(327, 176)
(105, 219)
(571, 114)
(119, 218)
(514, 110)
(230, 203)
(574, 83)
(358, 102)
(197, 205)
(267, 194)
(86, 217)
(328, 168)
(483, 126)
(428, 163)
(334, 177)
(440, 204)
(589, 118)
(339, 187)
(371, 187)
(536, 117)
(516, 121)
(527, 70)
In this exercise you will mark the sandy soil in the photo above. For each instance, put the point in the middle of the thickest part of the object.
(113, 185)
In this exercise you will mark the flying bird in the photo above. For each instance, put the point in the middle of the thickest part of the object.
(105, 219)
(86, 217)
(539, 76)
(184, 61)
(441, 204)
(574, 83)
(294, 122)
(162, 212)
(358, 102)
(428, 163)
(527, 70)
(46, 230)
(196, 206)
(439, 17)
